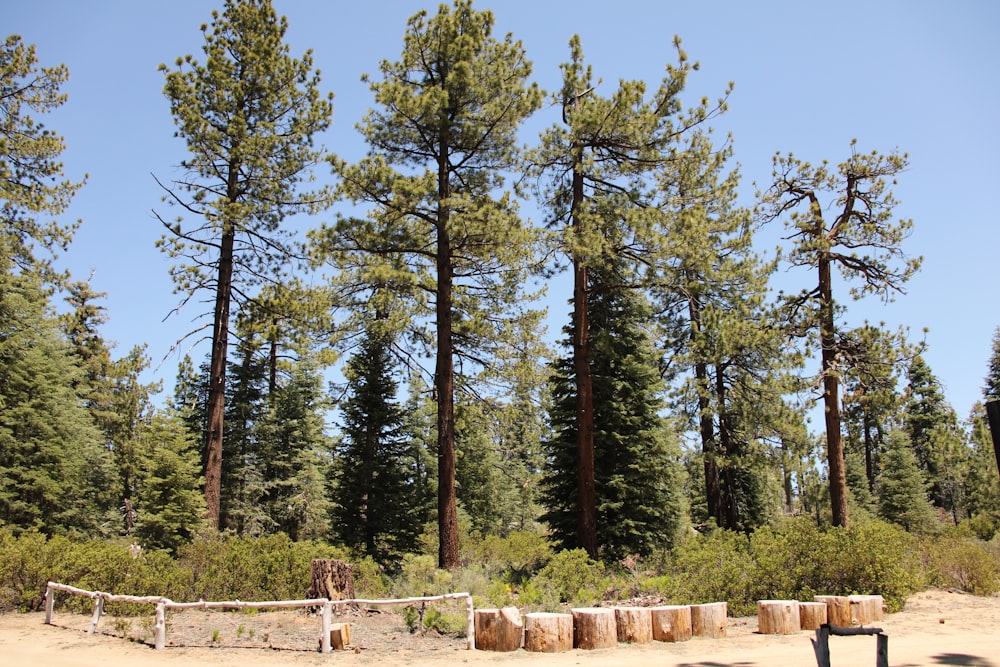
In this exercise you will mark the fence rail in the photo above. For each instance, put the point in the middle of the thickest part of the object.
(161, 605)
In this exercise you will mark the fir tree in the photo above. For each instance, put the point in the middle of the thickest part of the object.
(902, 496)
(638, 481)
(379, 498)
(170, 507)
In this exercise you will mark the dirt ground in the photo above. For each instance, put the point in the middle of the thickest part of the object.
(934, 628)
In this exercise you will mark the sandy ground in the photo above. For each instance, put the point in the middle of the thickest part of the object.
(935, 628)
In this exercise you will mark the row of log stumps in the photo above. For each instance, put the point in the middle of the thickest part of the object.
(596, 627)
(783, 617)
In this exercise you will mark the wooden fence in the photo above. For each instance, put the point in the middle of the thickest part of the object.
(162, 604)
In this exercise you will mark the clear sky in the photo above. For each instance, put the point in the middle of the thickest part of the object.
(913, 75)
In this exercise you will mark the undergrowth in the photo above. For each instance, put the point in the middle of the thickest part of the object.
(793, 559)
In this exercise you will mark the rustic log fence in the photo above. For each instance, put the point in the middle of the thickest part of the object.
(162, 604)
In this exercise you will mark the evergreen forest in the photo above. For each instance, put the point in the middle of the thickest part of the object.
(385, 386)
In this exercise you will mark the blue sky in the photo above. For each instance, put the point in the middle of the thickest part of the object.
(911, 75)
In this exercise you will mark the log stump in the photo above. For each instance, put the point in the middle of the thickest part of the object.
(547, 632)
(594, 628)
(838, 609)
(709, 620)
(498, 629)
(671, 623)
(331, 579)
(634, 625)
(866, 609)
(340, 636)
(812, 615)
(778, 617)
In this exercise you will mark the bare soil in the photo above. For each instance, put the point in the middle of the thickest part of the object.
(935, 628)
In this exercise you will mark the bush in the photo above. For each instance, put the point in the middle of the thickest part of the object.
(962, 562)
(572, 577)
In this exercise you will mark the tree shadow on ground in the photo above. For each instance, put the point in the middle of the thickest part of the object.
(962, 659)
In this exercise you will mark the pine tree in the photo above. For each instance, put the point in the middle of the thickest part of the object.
(32, 183)
(441, 140)
(991, 386)
(861, 240)
(593, 169)
(248, 115)
(902, 496)
(638, 481)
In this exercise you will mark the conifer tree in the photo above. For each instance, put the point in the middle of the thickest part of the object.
(639, 480)
(593, 170)
(861, 240)
(902, 496)
(32, 182)
(441, 140)
(991, 386)
(249, 115)
(170, 507)
(379, 492)
(55, 473)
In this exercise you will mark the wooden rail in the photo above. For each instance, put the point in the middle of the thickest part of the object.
(162, 604)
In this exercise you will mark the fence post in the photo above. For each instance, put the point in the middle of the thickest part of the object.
(324, 639)
(470, 631)
(98, 610)
(50, 597)
(160, 627)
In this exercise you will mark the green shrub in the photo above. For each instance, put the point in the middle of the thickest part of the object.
(574, 578)
(713, 568)
(965, 563)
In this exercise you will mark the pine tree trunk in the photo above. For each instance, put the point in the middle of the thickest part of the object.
(831, 398)
(547, 632)
(586, 493)
(671, 623)
(444, 381)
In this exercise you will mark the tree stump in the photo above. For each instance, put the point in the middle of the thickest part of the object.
(709, 620)
(331, 579)
(594, 628)
(866, 609)
(340, 636)
(812, 615)
(838, 609)
(498, 629)
(778, 617)
(671, 623)
(547, 632)
(634, 624)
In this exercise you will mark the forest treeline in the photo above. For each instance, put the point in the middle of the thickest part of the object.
(674, 402)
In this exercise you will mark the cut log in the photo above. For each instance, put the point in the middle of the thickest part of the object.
(634, 624)
(331, 579)
(866, 609)
(778, 617)
(594, 628)
(671, 623)
(709, 620)
(838, 609)
(812, 615)
(547, 632)
(340, 636)
(498, 629)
